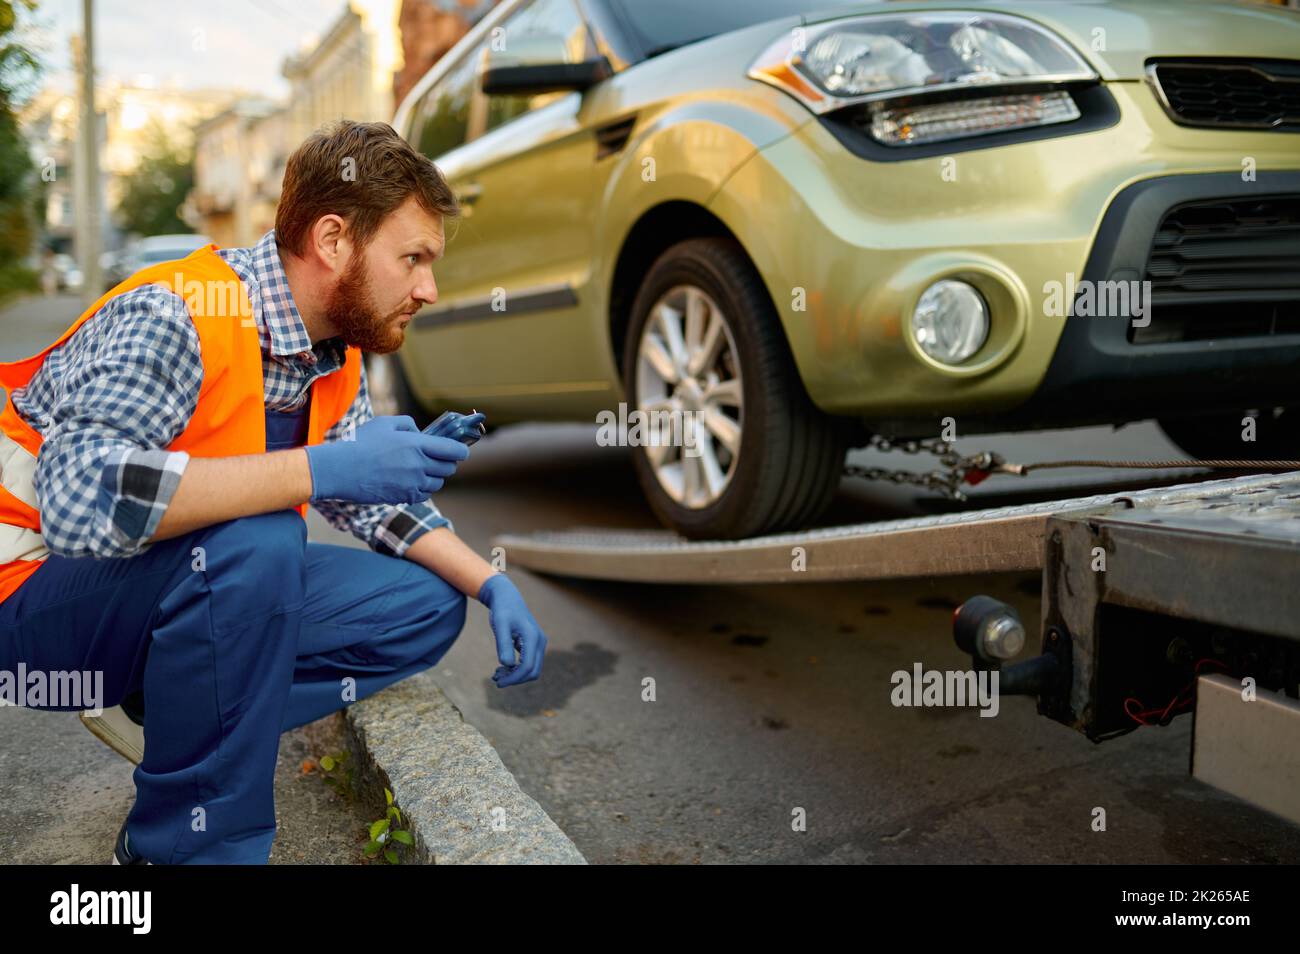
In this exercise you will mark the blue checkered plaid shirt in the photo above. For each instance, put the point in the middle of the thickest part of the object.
(125, 385)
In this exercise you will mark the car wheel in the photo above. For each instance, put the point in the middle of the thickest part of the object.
(1219, 436)
(705, 338)
(390, 393)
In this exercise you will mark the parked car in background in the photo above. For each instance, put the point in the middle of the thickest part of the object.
(150, 251)
(110, 267)
(810, 220)
(68, 274)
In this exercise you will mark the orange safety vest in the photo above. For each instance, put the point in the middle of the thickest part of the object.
(229, 418)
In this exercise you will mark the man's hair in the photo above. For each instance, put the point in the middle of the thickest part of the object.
(361, 172)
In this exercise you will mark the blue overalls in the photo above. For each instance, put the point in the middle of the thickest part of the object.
(235, 632)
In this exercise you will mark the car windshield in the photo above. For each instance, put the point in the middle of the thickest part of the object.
(667, 24)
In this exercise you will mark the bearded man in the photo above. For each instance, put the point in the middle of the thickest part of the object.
(157, 461)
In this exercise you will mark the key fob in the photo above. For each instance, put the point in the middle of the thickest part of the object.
(466, 428)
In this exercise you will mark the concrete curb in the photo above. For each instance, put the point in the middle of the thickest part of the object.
(457, 799)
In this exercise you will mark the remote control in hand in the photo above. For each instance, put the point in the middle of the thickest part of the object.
(466, 428)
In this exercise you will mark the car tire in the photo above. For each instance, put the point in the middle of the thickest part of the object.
(790, 453)
(1219, 436)
(390, 392)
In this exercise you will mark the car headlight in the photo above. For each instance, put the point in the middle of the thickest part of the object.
(890, 60)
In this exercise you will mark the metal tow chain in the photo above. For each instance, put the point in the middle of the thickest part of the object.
(956, 469)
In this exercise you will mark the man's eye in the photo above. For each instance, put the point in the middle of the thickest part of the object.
(415, 259)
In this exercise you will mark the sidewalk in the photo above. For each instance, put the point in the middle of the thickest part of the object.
(63, 793)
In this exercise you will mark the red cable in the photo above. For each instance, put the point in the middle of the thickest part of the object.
(1142, 715)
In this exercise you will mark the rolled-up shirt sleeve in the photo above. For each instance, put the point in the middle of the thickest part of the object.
(385, 528)
(129, 387)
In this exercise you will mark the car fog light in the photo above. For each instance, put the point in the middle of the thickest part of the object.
(951, 321)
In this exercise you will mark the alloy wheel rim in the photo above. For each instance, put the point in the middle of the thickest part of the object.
(688, 366)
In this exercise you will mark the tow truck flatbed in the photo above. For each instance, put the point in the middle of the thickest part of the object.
(954, 544)
(1142, 590)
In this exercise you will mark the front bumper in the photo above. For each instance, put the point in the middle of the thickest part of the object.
(846, 245)
(1104, 369)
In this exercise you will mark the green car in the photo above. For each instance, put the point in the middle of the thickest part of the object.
(742, 236)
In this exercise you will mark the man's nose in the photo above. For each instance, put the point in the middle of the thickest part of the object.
(426, 291)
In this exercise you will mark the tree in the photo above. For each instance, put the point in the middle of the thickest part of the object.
(153, 194)
(18, 72)
(18, 69)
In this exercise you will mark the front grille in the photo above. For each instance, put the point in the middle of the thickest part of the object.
(1240, 94)
(1224, 269)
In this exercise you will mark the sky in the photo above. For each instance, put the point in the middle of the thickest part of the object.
(195, 43)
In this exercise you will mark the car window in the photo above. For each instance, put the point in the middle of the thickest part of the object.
(443, 113)
(542, 17)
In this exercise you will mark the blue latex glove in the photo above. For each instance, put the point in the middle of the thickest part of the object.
(514, 628)
(388, 461)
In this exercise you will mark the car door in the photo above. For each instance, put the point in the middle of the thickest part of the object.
(507, 333)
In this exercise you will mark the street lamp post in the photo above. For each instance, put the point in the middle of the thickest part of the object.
(88, 222)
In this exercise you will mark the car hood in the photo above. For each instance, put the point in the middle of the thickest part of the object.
(1117, 36)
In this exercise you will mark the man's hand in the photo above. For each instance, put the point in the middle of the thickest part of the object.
(387, 461)
(514, 628)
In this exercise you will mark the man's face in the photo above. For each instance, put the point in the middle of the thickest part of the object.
(387, 282)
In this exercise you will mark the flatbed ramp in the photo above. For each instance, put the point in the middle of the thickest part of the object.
(978, 541)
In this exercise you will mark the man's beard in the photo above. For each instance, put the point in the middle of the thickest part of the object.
(354, 318)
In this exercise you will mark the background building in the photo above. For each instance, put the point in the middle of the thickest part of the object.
(230, 150)
(365, 62)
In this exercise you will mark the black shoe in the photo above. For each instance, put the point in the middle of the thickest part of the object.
(122, 854)
(133, 706)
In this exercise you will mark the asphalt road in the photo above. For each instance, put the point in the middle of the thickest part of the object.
(774, 701)
(771, 699)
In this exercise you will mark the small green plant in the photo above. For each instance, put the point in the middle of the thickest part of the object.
(386, 838)
(335, 773)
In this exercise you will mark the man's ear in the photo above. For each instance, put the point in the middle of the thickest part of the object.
(328, 243)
